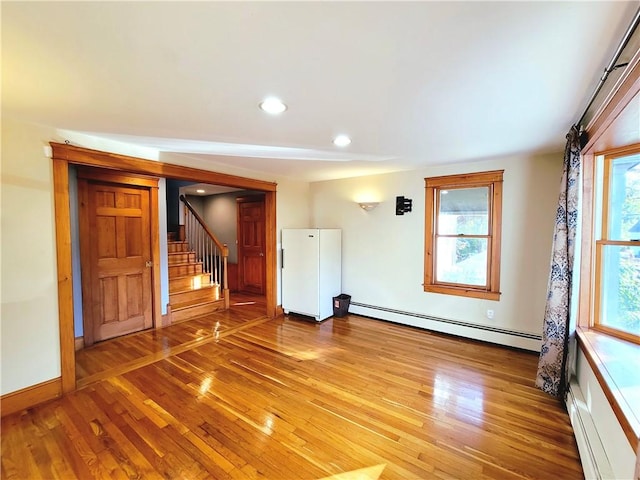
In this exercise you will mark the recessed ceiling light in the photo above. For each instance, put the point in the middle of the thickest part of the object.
(273, 105)
(199, 191)
(341, 141)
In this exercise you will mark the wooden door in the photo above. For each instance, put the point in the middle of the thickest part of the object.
(251, 243)
(115, 243)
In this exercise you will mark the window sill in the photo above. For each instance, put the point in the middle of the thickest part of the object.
(462, 292)
(615, 364)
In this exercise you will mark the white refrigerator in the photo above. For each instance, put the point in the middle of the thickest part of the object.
(311, 270)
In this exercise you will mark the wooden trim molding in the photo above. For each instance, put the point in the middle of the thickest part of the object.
(491, 180)
(270, 251)
(65, 275)
(103, 175)
(166, 318)
(63, 156)
(28, 397)
(97, 158)
(601, 130)
(613, 132)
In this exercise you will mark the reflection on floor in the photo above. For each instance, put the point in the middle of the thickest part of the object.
(369, 473)
(122, 354)
(348, 398)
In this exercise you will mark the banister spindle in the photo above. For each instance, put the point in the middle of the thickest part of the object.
(207, 248)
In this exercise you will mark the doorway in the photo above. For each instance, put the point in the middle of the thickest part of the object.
(65, 155)
(251, 242)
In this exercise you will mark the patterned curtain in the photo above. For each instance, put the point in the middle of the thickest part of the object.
(553, 367)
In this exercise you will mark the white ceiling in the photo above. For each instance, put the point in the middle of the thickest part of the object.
(413, 84)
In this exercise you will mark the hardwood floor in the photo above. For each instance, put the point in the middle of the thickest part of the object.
(287, 398)
(125, 353)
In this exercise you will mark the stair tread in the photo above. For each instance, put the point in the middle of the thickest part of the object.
(189, 276)
(191, 289)
(192, 303)
(180, 264)
(182, 253)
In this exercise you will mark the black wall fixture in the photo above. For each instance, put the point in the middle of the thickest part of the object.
(403, 205)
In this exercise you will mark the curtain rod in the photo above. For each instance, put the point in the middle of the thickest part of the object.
(612, 64)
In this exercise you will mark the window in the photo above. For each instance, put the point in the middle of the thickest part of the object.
(617, 272)
(462, 234)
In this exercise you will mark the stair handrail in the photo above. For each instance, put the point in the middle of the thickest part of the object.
(224, 249)
(222, 246)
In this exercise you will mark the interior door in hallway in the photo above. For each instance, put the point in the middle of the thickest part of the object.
(251, 240)
(115, 245)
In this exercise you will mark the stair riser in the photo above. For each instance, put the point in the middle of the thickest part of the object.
(204, 294)
(182, 270)
(196, 311)
(182, 257)
(177, 247)
(178, 284)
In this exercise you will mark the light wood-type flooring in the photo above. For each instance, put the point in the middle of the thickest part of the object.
(236, 397)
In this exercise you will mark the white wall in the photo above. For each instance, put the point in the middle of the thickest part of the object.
(383, 254)
(29, 324)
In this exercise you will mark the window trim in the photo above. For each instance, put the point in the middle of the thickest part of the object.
(493, 180)
(612, 131)
(601, 239)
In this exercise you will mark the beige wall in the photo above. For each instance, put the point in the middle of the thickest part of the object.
(383, 253)
(29, 315)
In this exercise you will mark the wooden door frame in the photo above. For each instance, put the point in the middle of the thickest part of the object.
(246, 199)
(65, 155)
(103, 176)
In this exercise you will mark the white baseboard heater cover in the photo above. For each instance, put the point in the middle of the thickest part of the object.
(594, 459)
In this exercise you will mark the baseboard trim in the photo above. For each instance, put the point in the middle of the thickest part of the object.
(279, 311)
(592, 454)
(79, 343)
(31, 396)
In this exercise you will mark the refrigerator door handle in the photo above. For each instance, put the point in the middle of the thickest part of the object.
(282, 258)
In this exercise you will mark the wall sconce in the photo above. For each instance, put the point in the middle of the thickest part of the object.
(368, 206)
(403, 205)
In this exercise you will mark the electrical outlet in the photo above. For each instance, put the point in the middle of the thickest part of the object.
(490, 314)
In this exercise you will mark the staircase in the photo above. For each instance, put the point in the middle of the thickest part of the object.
(191, 291)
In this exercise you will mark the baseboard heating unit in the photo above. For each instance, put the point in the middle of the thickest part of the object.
(525, 340)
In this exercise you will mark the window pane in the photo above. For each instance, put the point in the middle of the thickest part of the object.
(464, 210)
(624, 203)
(462, 260)
(620, 300)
